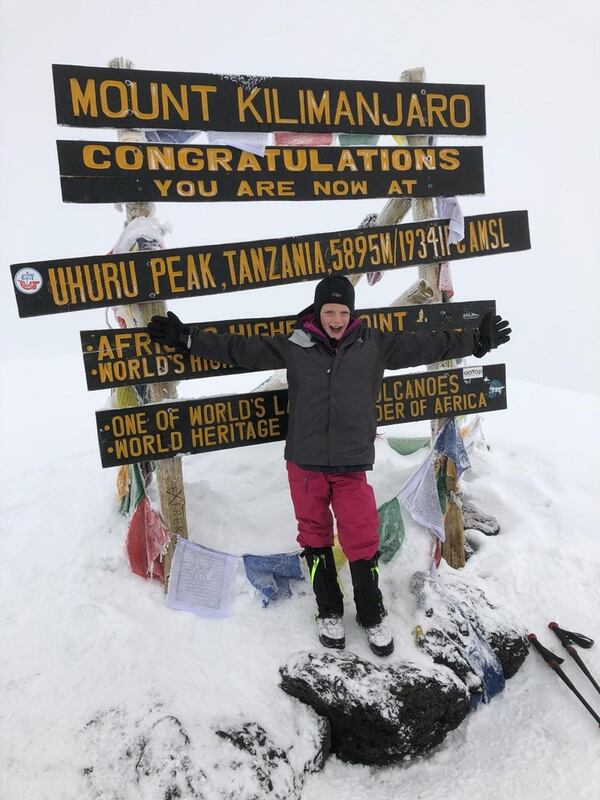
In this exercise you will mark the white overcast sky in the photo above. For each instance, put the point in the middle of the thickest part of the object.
(539, 61)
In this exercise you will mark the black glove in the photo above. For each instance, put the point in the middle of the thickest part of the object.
(492, 332)
(169, 330)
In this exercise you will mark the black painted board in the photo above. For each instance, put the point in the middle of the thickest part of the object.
(182, 427)
(127, 356)
(97, 281)
(100, 97)
(107, 172)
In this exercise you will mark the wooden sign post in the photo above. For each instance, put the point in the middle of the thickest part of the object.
(453, 547)
(169, 475)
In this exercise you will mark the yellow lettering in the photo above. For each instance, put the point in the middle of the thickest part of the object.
(449, 158)
(482, 230)
(203, 91)
(88, 155)
(244, 189)
(362, 105)
(247, 104)
(347, 161)
(415, 111)
(122, 108)
(318, 112)
(265, 187)
(473, 242)
(503, 242)
(129, 156)
(83, 102)
(248, 161)
(163, 186)
(174, 274)
(436, 105)
(180, 105)
(463, 100)
(158, 268)
(343, 109)
(218, 157)
(105, 351)
(187, 158)
(286, 189)
(135, 106)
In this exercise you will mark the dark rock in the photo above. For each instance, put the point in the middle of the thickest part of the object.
(265, 760)
(379, 714)
(476, 519)
(471, 547)
(511, 648)
(264, 769)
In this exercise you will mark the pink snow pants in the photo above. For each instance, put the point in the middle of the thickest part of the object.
(353, 504)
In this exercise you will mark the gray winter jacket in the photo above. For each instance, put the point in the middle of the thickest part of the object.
(332, 391)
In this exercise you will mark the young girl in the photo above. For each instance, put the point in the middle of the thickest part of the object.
(335, 366)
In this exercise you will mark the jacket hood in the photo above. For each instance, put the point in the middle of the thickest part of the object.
(305, 315)
(307, 322)
(309, 313)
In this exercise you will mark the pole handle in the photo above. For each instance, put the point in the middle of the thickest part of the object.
(570, 637)
(549, 657)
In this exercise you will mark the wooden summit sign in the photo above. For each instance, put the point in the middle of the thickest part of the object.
(71, 284)
(123, 357)
(94, 97)
(152, 432)
(107, 172)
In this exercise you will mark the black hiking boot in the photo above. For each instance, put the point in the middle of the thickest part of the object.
(369, 605)
(330, 601)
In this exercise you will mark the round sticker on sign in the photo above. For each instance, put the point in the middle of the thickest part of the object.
(28, 281)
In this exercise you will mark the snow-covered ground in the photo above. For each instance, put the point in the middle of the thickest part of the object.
(82, 634)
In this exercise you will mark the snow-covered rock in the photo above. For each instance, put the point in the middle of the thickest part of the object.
(385, 713)
(151, 756)
(460, 628)
(379, 713)
(476, 519)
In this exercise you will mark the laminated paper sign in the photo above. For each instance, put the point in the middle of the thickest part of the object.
(200, 580)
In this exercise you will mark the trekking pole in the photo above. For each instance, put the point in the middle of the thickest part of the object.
(553, 662)
(567, 639)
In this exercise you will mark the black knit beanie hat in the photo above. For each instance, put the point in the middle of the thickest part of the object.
(334, 289)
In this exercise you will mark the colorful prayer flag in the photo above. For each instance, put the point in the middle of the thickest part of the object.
(147, 540)
(271, 574)
(391, 529)
(291, 139)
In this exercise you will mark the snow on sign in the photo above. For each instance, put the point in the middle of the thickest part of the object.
(107, 172)
(70, 284)
(95, 97)
(115, 358)
(151, 432)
